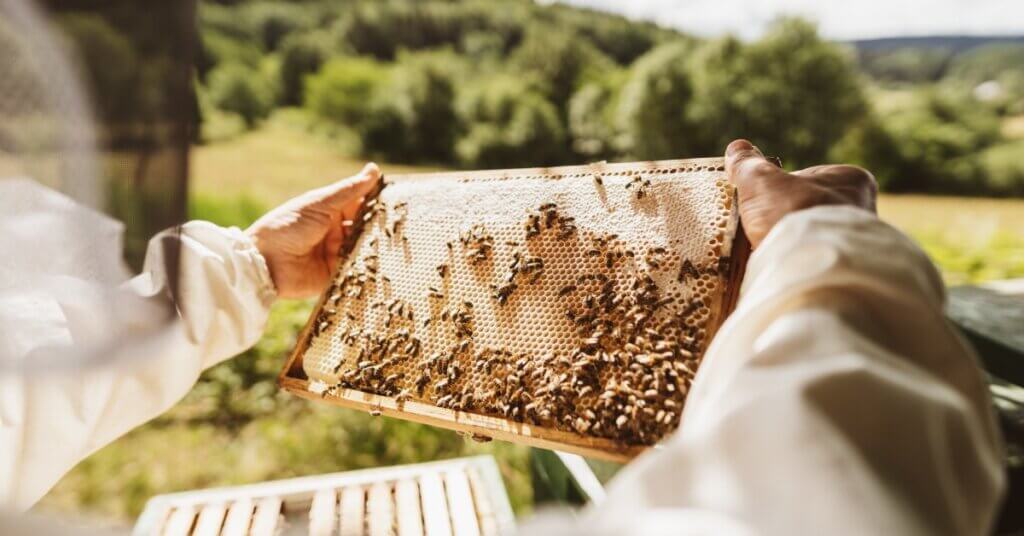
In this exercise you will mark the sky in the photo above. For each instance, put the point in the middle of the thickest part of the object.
(837, 19)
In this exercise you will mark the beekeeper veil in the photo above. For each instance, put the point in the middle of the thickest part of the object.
(93, 148)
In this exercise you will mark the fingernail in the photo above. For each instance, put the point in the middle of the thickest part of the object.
(738, 146)
(371, 168)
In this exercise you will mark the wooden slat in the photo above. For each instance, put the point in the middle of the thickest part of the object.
(435, 506)
(181, 521)
(156, 516)
(380, 510)
(238, 519)
(267, 518)
(353, 511)
(484, 509)
(211, 517)
(407, 506)
(323, 513)
(460, 504)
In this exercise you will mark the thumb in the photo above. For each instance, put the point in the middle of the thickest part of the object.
(345, 191)
(738, 154)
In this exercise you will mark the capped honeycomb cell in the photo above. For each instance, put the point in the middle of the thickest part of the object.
(578, 299)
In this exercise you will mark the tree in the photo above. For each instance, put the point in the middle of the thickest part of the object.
(652, 107)
(272, 22)
(241, 90)
(906, 64)
(508, 124)
(791, 93)
(591, 124)
(413, 118)
(559, 62)
(301, 56)
(343, 89)
(932, 144)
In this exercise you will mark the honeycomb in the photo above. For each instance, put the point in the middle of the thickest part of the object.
(578, 299)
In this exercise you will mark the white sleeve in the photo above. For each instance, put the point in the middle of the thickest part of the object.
(835, 400)
(48, 423)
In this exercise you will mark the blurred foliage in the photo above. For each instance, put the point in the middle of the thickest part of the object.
(558, 61)
(906, 65)
(652, 111)
(791, 93)
(414, 118)
(514, 83)
(1004, 166)
(343, 89)
(509, 124)
(933, 143)
(301, 56)
(1001, 64)
(989, 62)
(242, 90)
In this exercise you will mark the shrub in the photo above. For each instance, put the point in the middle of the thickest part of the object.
(414, 118)
(791, 93)
(383, 28)
(301, 56)
(1004, 168)
(241, 90)
(217, 48)
(652, 108)
(590, 121)
(509, 125)
(931, 144)
(914, 65)
(272, 22)
(343, 89)
(559, 61)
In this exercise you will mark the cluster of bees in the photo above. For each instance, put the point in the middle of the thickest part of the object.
(626, 380)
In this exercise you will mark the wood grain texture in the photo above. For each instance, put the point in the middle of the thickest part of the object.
(267, 518)
(181, 521)
(211, 517)
(380, 509)
(460, 504)
(323, 513)
(353, 511)
(436, 520)
(408, 509)
(239, 518)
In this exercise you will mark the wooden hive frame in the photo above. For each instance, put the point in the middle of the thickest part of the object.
(462, 496)
(294, 380)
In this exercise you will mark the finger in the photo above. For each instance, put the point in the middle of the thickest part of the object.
(743, 160)
(341, 194)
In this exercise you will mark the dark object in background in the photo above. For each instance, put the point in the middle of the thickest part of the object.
(136, 61)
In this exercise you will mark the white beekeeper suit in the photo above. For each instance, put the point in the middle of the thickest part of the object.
(835, 399)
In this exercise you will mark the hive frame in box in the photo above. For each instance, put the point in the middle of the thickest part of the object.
(189, 512)
(294, 380)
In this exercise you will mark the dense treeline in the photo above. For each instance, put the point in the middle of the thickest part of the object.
(512, 83)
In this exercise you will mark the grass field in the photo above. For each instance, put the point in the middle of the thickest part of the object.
(235, 427)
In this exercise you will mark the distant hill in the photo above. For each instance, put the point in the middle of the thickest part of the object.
(953, 43)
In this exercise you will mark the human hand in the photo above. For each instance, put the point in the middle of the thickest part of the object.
(767, 193)
(301, 238)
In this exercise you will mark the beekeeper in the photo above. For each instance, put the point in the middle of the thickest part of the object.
(835, 400)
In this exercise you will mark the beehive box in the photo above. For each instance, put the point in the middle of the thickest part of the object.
(460, 497)
(566, 308)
